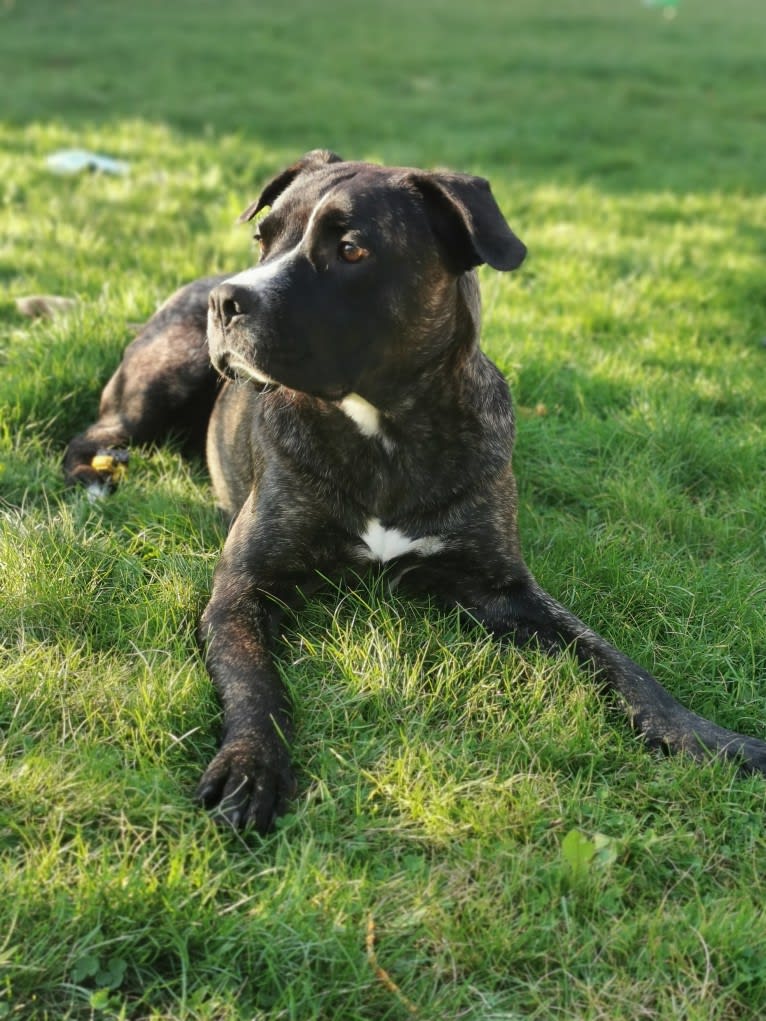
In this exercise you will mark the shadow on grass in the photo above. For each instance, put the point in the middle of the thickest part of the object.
(614, 94)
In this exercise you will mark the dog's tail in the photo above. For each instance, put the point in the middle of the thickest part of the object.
(531, 614)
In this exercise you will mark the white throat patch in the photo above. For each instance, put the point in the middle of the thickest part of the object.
(384, 544)
(365, 416)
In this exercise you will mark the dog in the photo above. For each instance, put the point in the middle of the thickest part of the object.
(352, 423)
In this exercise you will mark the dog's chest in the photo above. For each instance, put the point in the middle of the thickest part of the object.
(383, 544)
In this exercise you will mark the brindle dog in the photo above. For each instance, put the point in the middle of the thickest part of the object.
(359, 425)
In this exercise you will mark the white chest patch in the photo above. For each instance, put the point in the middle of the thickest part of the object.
(384, 544)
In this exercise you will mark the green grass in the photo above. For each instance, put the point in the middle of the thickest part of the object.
(441, 777)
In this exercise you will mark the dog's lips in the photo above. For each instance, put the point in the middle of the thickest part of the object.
(232, 366)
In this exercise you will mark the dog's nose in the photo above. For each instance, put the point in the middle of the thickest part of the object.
(230, 300)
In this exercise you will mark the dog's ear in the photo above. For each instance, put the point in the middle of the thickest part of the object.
(275, 187)
(467, 222)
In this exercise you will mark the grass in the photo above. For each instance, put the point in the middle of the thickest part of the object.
(476, 835)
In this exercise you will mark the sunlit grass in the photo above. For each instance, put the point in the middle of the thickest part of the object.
(423, 862)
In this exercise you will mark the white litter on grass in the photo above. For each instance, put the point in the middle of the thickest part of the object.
(74, 161)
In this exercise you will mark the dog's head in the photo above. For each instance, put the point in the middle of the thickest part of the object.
(357, 277)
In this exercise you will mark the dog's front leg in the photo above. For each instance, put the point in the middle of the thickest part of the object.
(523, 612)
(249, 781)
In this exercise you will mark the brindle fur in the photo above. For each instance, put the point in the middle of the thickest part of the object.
(301, 481)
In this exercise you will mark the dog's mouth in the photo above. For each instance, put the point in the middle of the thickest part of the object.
(234, 367)
(231, 366)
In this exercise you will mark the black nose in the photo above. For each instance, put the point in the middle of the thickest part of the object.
(230, 300)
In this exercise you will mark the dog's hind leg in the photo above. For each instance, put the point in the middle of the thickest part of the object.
(524, 612)
(165, 385)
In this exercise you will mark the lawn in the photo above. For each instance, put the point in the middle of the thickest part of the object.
(477, 834)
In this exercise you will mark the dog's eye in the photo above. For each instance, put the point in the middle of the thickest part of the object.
(258, 238)
(349, 251)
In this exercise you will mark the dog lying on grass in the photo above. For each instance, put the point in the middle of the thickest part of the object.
(359, 426)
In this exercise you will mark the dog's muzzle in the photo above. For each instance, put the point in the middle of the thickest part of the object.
(227, 304)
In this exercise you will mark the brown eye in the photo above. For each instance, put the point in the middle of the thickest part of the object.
(258, 238)
(351, 252)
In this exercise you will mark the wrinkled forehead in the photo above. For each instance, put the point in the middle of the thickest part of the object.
(348, 196)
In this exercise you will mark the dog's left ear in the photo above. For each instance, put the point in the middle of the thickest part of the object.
(275, 187)
(467, 222)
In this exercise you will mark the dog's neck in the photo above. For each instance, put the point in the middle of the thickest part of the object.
(447, 346)
(429, 427)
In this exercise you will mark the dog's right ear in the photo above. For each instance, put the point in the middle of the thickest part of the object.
(271, 192)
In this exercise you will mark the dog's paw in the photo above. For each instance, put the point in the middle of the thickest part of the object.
(247, 785)
(751, 755)
(99, 469)
(711, 741)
